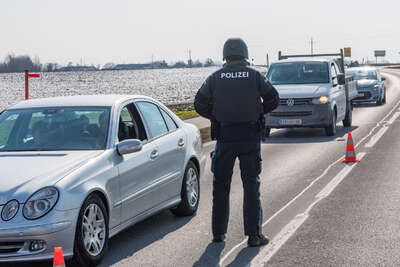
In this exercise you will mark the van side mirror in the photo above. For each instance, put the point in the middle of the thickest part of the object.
(129, 146)
(383, 78)
(341, 79)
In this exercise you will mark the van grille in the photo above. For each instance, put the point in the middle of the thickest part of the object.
(292, 114)
(297, 101)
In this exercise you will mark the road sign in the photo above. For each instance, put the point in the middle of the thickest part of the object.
(380, 53)
(347, 52)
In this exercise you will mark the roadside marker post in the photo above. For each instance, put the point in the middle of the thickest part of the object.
(58, 260)
(350, 151)
(27, 76)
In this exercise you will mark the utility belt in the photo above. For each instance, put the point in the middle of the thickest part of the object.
(236, 132)
(239, 124)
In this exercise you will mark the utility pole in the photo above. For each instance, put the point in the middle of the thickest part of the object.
(152, 61)
(190, 54)
(267, 60)
(190, 62)
(312, 46)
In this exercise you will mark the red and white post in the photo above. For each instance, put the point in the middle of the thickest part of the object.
(27, 76)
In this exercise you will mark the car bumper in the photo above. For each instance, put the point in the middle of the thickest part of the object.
(367, 96)
(310, 116)
(58, 231)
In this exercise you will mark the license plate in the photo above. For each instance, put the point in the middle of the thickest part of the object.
(290, 122)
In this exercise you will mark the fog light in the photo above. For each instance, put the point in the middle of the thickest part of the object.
(37, 245)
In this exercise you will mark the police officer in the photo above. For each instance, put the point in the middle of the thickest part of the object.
(235, 99)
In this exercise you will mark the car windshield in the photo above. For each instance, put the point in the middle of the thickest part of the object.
(298, 73)
(362, 74)
(60, 128)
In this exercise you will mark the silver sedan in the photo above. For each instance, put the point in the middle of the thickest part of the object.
(76, 171)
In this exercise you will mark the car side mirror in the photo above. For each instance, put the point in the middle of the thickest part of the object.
(129, 146)
(383, 78)
(341, 79)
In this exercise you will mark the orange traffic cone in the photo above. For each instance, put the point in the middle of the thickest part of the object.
(58, 260)
(350, 152)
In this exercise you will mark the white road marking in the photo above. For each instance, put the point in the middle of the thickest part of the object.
(376, 137)
(396, 106)
(395, 116)
(290, 229)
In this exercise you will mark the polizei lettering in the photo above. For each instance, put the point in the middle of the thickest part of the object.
(234, 75)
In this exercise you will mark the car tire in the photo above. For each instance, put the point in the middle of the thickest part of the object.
(331, 129)
(384, 96)
(349, 117)
(190, 192)
(93, 205)
(381, 99)
(379, 102)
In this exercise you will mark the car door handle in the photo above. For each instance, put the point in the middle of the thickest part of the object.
(181, 143)
(154, 154)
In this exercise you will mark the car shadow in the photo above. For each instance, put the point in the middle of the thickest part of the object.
(131, 240)
(306, 135)
(141, 235)
(211, 256)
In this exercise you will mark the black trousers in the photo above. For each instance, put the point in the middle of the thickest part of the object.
(223, 160)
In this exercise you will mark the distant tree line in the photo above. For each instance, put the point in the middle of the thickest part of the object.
(14, 63)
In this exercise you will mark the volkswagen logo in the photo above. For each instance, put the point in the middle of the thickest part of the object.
(290, 102)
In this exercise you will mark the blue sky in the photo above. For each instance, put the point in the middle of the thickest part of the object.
(132, 31)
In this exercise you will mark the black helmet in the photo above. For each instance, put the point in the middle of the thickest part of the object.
(235, 47)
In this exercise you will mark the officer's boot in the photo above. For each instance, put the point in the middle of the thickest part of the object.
(257, 240)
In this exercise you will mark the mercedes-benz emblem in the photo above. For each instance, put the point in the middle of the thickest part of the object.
(290, 102)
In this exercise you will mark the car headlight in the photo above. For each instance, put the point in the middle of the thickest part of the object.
(321, 100)
(10, 210)
(40, 203)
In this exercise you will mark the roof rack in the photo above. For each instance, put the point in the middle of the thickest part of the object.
(339, 61)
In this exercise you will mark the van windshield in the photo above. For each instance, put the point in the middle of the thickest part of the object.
(298, 73)
(52, 129)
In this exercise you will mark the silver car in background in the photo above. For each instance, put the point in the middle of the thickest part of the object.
(77, 170)
(370, 85)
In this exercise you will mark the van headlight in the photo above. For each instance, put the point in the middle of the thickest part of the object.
(10, 210)
(376, 87)
(40, 203)
(321, 100)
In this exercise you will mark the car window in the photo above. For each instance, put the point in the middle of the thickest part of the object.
(361, 74)
(334, 74)
(127, 126)
(6, 126)
(170, 122)
(126, 115)
(153, 119)
(60, 128)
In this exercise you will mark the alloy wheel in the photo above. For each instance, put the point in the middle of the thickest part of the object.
(93, 230)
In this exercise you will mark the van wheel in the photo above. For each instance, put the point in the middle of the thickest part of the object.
(349, 118)
(190, 192)
(266, 133)
(91, 236)
(331, 129)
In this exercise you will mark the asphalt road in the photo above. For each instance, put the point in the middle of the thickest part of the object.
(317, 211)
